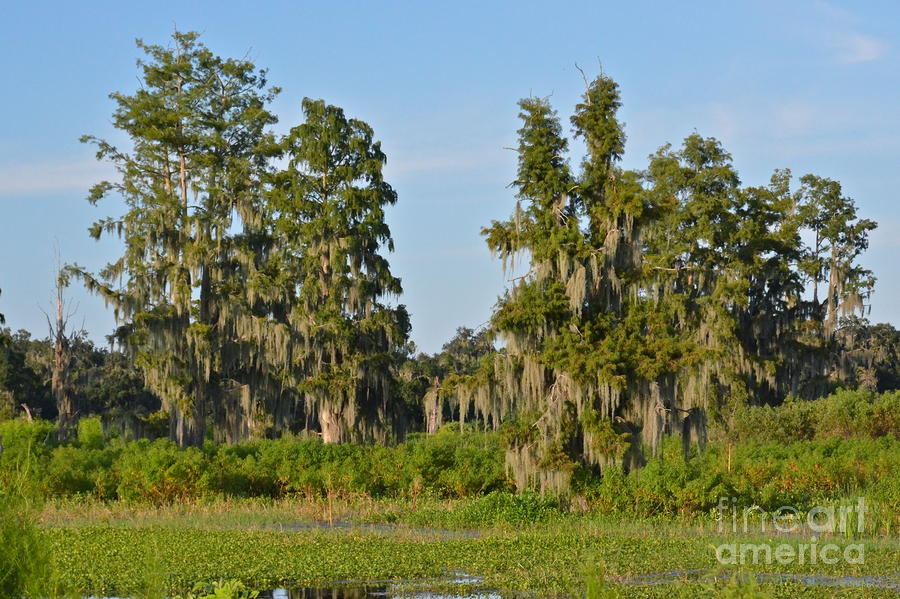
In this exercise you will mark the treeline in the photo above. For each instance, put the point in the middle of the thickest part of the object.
(104, 383)
(254, 298)
(101, 382)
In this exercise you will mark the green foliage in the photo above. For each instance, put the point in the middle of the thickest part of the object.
(754, 469)
(159, 472)
(498, 508)
(329, 239)
(844, 414)
(24, 376)
(840, 237)
(25, 440)
(90, 433)
(766, 474)
(450, 464)
(75, 471)
(100, 382)
(190, 181)
(447, 465)
(22, 557)
(661, 299)
(25, 570)
(435, 385)
(870, 355)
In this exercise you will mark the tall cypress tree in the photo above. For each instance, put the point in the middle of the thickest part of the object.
(839, 238)
(329, 217)
(197, 129)
(574, 372)
(653, 299)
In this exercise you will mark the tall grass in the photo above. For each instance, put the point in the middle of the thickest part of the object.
(25, 570)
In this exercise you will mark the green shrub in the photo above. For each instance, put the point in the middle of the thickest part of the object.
(508, 508)
(451, 464)
(90, 433)
(22, 437)
(77, 471)
(495, 508)
(843, 445)
(159, 472)
(231, 589)
(21, 564)
(844, 414)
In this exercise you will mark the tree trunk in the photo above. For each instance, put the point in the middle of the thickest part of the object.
(61, 358)
(331, 424)
(64, 408)
(433, 408)
(833, 290)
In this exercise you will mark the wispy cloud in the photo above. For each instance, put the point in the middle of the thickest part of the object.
(843, 35)
(857, 47)
(44, 178)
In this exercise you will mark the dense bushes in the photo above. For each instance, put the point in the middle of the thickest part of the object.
(802, 453)
(447, 464)
(492, 509)
(24, 568)
(799, 454)
(768, 475)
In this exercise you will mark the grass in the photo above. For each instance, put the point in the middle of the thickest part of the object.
(263, 513)
(25, 570)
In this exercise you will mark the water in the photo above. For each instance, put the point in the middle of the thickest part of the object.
(390, 589)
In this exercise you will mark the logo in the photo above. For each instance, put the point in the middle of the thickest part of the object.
(842, 520)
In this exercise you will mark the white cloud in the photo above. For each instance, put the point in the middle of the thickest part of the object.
(841, 32)
(855, 48)
(41, 178)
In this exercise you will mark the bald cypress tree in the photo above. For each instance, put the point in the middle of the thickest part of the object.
(586, 356)
(727, 256)
(197, 129)
(652, 300)
(329, 220)
(839, 238)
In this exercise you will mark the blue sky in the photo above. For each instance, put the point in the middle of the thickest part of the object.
(807, 85)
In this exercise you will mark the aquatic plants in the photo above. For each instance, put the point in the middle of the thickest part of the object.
(221, 589)
(546, 558)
